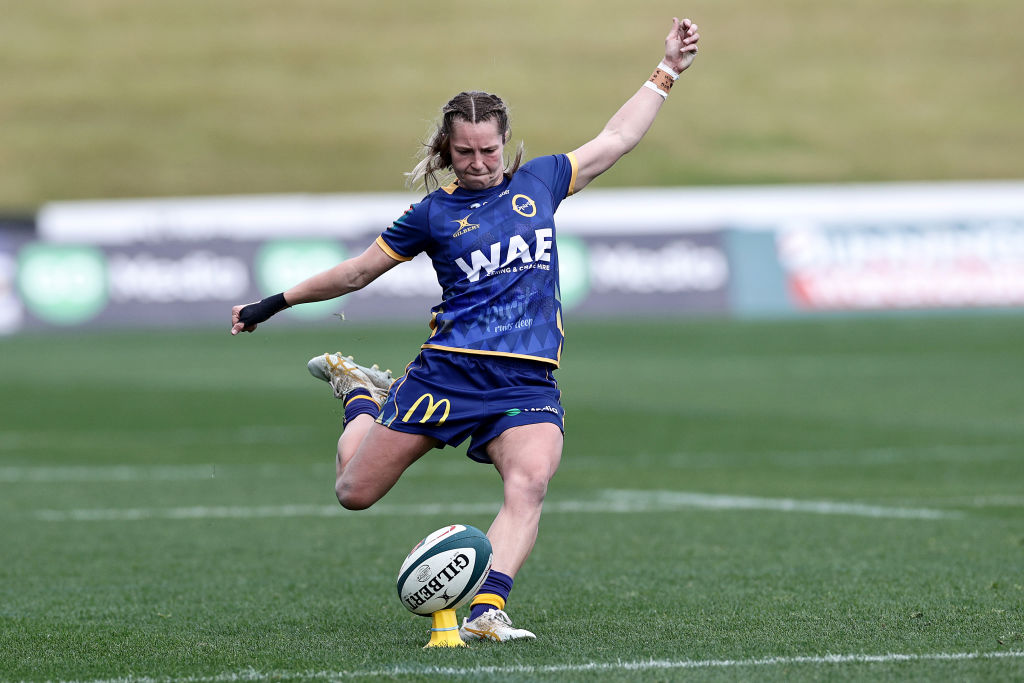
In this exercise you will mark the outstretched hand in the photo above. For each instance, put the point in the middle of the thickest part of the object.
(246, 318)
(681, 44)
(237, 325)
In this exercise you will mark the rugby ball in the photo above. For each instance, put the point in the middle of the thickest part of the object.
(444, 570)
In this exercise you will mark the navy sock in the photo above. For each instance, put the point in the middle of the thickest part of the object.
(493, 594)
(360, 402)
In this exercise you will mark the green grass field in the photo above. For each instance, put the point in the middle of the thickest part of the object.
(119, 98)
(801, 500)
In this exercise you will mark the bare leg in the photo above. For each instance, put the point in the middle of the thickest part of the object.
(367, 468)
(526, 457)
(353, 435)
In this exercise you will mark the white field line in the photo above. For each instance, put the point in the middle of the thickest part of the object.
(613, 501)
(679, 499)
(526, 670)
(988, 501)
(104, 473)
(55, 474)
(259, 434)
(256, 512)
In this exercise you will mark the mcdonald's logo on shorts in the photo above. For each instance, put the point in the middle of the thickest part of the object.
(431, 408)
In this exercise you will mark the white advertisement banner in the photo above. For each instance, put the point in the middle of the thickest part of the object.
(865, 267)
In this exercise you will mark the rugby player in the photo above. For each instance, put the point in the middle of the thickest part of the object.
(485, 371)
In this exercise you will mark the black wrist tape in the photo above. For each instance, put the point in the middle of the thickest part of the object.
(253, 314)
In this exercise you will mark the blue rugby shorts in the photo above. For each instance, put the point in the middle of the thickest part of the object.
(455, 396)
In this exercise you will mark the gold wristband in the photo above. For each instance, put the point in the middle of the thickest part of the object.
(662, 80)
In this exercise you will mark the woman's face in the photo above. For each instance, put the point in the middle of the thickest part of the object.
(476, 150)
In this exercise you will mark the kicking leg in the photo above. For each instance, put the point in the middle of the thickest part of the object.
(377, 462)
(370, 457)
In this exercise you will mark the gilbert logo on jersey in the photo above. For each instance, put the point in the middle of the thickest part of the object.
(464, 226)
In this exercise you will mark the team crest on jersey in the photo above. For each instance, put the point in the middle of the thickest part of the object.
(524, 206)
(464, 226)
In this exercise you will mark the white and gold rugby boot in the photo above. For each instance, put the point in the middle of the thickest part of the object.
(492, 625)
(344, 375)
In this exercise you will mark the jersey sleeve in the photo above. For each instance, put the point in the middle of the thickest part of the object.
(557, 172)
(408, 235)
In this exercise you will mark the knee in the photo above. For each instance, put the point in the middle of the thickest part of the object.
(527, 487)
(349, 496)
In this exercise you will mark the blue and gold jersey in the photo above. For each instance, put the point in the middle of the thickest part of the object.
(495, 258)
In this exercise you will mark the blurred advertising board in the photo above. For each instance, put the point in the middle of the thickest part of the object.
(192, 283)
(754, 251)
(664, 274)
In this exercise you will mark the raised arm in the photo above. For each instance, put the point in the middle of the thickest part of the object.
(632, 121)
(348, 276)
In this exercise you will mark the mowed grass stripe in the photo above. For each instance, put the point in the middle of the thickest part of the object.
(66, 438)
(18, 474)
(609, 501)
(878, 456)
(596, 667)
(15, 474)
